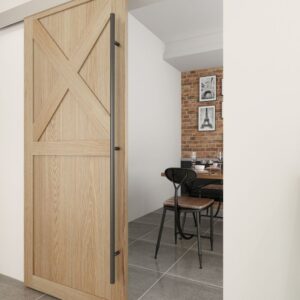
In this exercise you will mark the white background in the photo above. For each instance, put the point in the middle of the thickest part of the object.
(262, 149)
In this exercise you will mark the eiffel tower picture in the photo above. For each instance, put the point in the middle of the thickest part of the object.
(208, 88)
(206, 123)
(206, 118)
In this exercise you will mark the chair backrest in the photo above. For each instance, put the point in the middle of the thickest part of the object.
(180, 175)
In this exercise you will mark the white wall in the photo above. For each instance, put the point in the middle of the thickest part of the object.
(8, 4)
(154, 120)
(262, 170)
(11, 151)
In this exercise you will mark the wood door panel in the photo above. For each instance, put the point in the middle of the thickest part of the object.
(45, 82)
(68, 27)
(102, 70)
(70, 122)
(67, 151)
(71, 213)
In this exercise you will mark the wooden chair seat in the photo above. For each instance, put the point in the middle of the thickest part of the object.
(190, 202)
(217, 187)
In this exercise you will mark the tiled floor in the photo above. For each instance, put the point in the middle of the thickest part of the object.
(11, 289)
(174, 275)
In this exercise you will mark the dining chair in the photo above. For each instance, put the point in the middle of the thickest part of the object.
(214, 191)
(185, 204)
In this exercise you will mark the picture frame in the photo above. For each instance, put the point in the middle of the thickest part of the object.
(208, 88)
(206, 118)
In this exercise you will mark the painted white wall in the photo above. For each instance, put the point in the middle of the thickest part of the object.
(15, 11)
(154, 120)
(11, 151)
(262, 150)
(8, 4)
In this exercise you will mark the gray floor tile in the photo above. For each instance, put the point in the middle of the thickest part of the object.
(152, 218)
(137, 230)
(159, 211)
(218, 227)
(11, 289)
(179, 289)
(168, 238)
(130, 241)
(190, 224)
(218, 244)
(139, 280)
(141, 253)
(212, 271)
(220, 214)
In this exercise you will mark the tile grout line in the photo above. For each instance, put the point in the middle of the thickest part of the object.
(196, 281)
(176, 246)
(166, 272)
(144, 235)
(177, 276)
(144, 268)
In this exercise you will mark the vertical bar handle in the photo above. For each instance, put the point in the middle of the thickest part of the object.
(113, 148)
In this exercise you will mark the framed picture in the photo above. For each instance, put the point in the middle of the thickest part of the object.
(208, 88)
(206, 118)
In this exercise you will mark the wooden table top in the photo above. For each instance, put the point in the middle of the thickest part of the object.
(210, 173)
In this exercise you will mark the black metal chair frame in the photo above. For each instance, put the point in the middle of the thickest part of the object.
(178, 229)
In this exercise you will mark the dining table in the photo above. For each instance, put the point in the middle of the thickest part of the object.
(209, 173)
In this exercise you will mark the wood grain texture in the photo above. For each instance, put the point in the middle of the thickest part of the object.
(67, 131)
(85, 97)
(70, 222)
(89, 148)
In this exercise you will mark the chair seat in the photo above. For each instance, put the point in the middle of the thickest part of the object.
(190, 202)
(218, 187)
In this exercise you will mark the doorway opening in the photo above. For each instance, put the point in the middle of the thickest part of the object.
(175, 120)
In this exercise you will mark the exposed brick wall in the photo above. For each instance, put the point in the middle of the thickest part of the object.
(209, 143)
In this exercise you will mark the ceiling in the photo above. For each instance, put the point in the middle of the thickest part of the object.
(192, 30)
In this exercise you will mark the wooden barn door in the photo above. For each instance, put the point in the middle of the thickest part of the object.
(75, 151)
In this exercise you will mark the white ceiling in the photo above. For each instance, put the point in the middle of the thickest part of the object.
(172, 20)
(191, 29)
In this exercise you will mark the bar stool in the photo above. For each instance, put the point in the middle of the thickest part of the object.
(185, 204)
